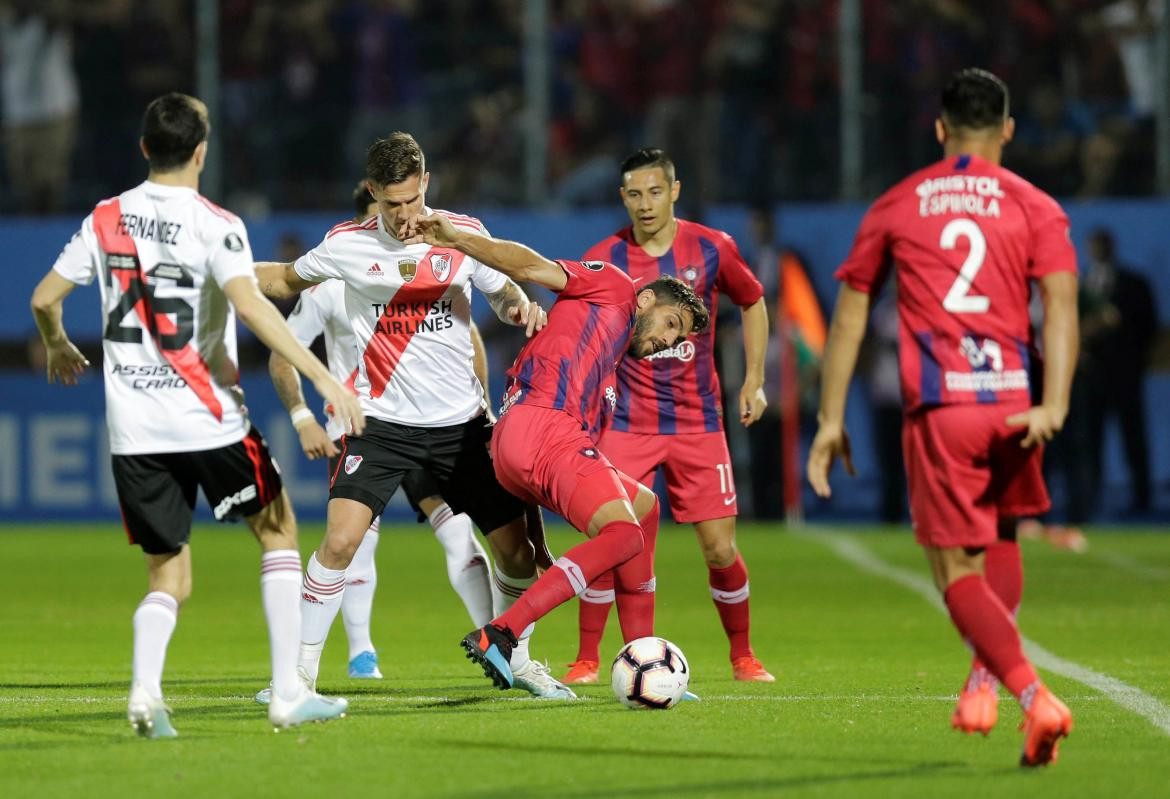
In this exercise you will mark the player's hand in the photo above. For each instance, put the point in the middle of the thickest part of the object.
(345, 404)
(831, 442)
(315, 441)
(752, 403)
(433, 229)
(64, 362)
(529, 316)
(1042, 421)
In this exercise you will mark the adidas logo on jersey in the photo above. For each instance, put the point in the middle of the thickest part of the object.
(375, 271)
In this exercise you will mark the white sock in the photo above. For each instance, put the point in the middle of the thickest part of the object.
(280, 588)
(467, 563)
(154, 621)
(320, 600)
(505, 591)
(361, 578)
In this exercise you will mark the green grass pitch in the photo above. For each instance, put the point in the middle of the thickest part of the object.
(867, 673)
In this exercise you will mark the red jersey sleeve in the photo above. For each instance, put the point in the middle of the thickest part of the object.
(735, 276)
(596, 282)
(1052, 247)
(868, 263)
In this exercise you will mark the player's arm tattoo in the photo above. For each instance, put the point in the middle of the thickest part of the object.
(510, 296)
(279, 281)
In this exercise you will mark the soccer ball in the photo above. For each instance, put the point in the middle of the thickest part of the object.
(650, 673)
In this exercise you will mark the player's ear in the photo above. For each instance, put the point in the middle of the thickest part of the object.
(674, 191)
(424, 182)
(200, 155)
(142, 147)
(646, 299)
(1009, 130)
(940, 131)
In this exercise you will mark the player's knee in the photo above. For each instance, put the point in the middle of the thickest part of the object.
(646, 503)
(719, 554)
(337, 550)
(626, 538)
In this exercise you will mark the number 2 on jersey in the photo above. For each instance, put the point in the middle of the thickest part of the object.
(959, 299)
(134, 291)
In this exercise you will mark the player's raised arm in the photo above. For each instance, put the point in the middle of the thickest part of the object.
(512, 258)
(65, 361)
(841, 350)
(262, 318)
(279, 280)
(1058, 293)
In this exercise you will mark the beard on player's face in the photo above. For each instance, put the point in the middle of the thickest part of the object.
(643, 343)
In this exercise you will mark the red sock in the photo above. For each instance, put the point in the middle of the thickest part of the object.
(592, 613)
(729, 589)
(983, 620)
(635, 584)
(572, 572)
(1004, 571)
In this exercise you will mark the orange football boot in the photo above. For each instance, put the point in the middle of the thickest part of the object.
(1045, 723)
(978, 707)
(749, 669)
(581, 672)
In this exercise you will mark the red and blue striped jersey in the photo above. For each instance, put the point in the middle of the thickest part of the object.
(677, 390)
(967, 238)
(569, 366)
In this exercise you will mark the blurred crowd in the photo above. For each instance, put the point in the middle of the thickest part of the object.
(744, 93)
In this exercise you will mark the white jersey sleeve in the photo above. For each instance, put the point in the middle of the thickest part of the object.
(78, 262)
(319, 263)
(307, 320)
(483, 277)
(229, 254)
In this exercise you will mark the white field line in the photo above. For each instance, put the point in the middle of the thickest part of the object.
(1129, 697)
(1132, 565)
(406, 700)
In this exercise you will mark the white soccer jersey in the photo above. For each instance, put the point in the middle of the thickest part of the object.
(321, 310)
(168, 331)
(409, 309)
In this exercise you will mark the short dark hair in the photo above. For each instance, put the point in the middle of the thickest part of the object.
(672, 291)
(648, 158)
(394, 159)
(172, 127)
(974, 99)
(361, 200)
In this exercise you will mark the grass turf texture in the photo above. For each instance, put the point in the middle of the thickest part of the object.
(866, 677)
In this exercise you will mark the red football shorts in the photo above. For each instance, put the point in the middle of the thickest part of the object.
(542, 455)
(697, 466)
(966, 469)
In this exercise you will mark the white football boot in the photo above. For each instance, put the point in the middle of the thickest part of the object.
(535, 678)
(264, 696)
(150, 717)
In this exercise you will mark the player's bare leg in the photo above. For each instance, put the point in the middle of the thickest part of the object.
(977, 708)
(728, 578)
(169, 586)
(515, 572)
(357, 604)
(614, 537)
(982, 619)
(324, 580)
(292, 701)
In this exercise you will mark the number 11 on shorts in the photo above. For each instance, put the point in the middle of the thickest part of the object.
(726, 486)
